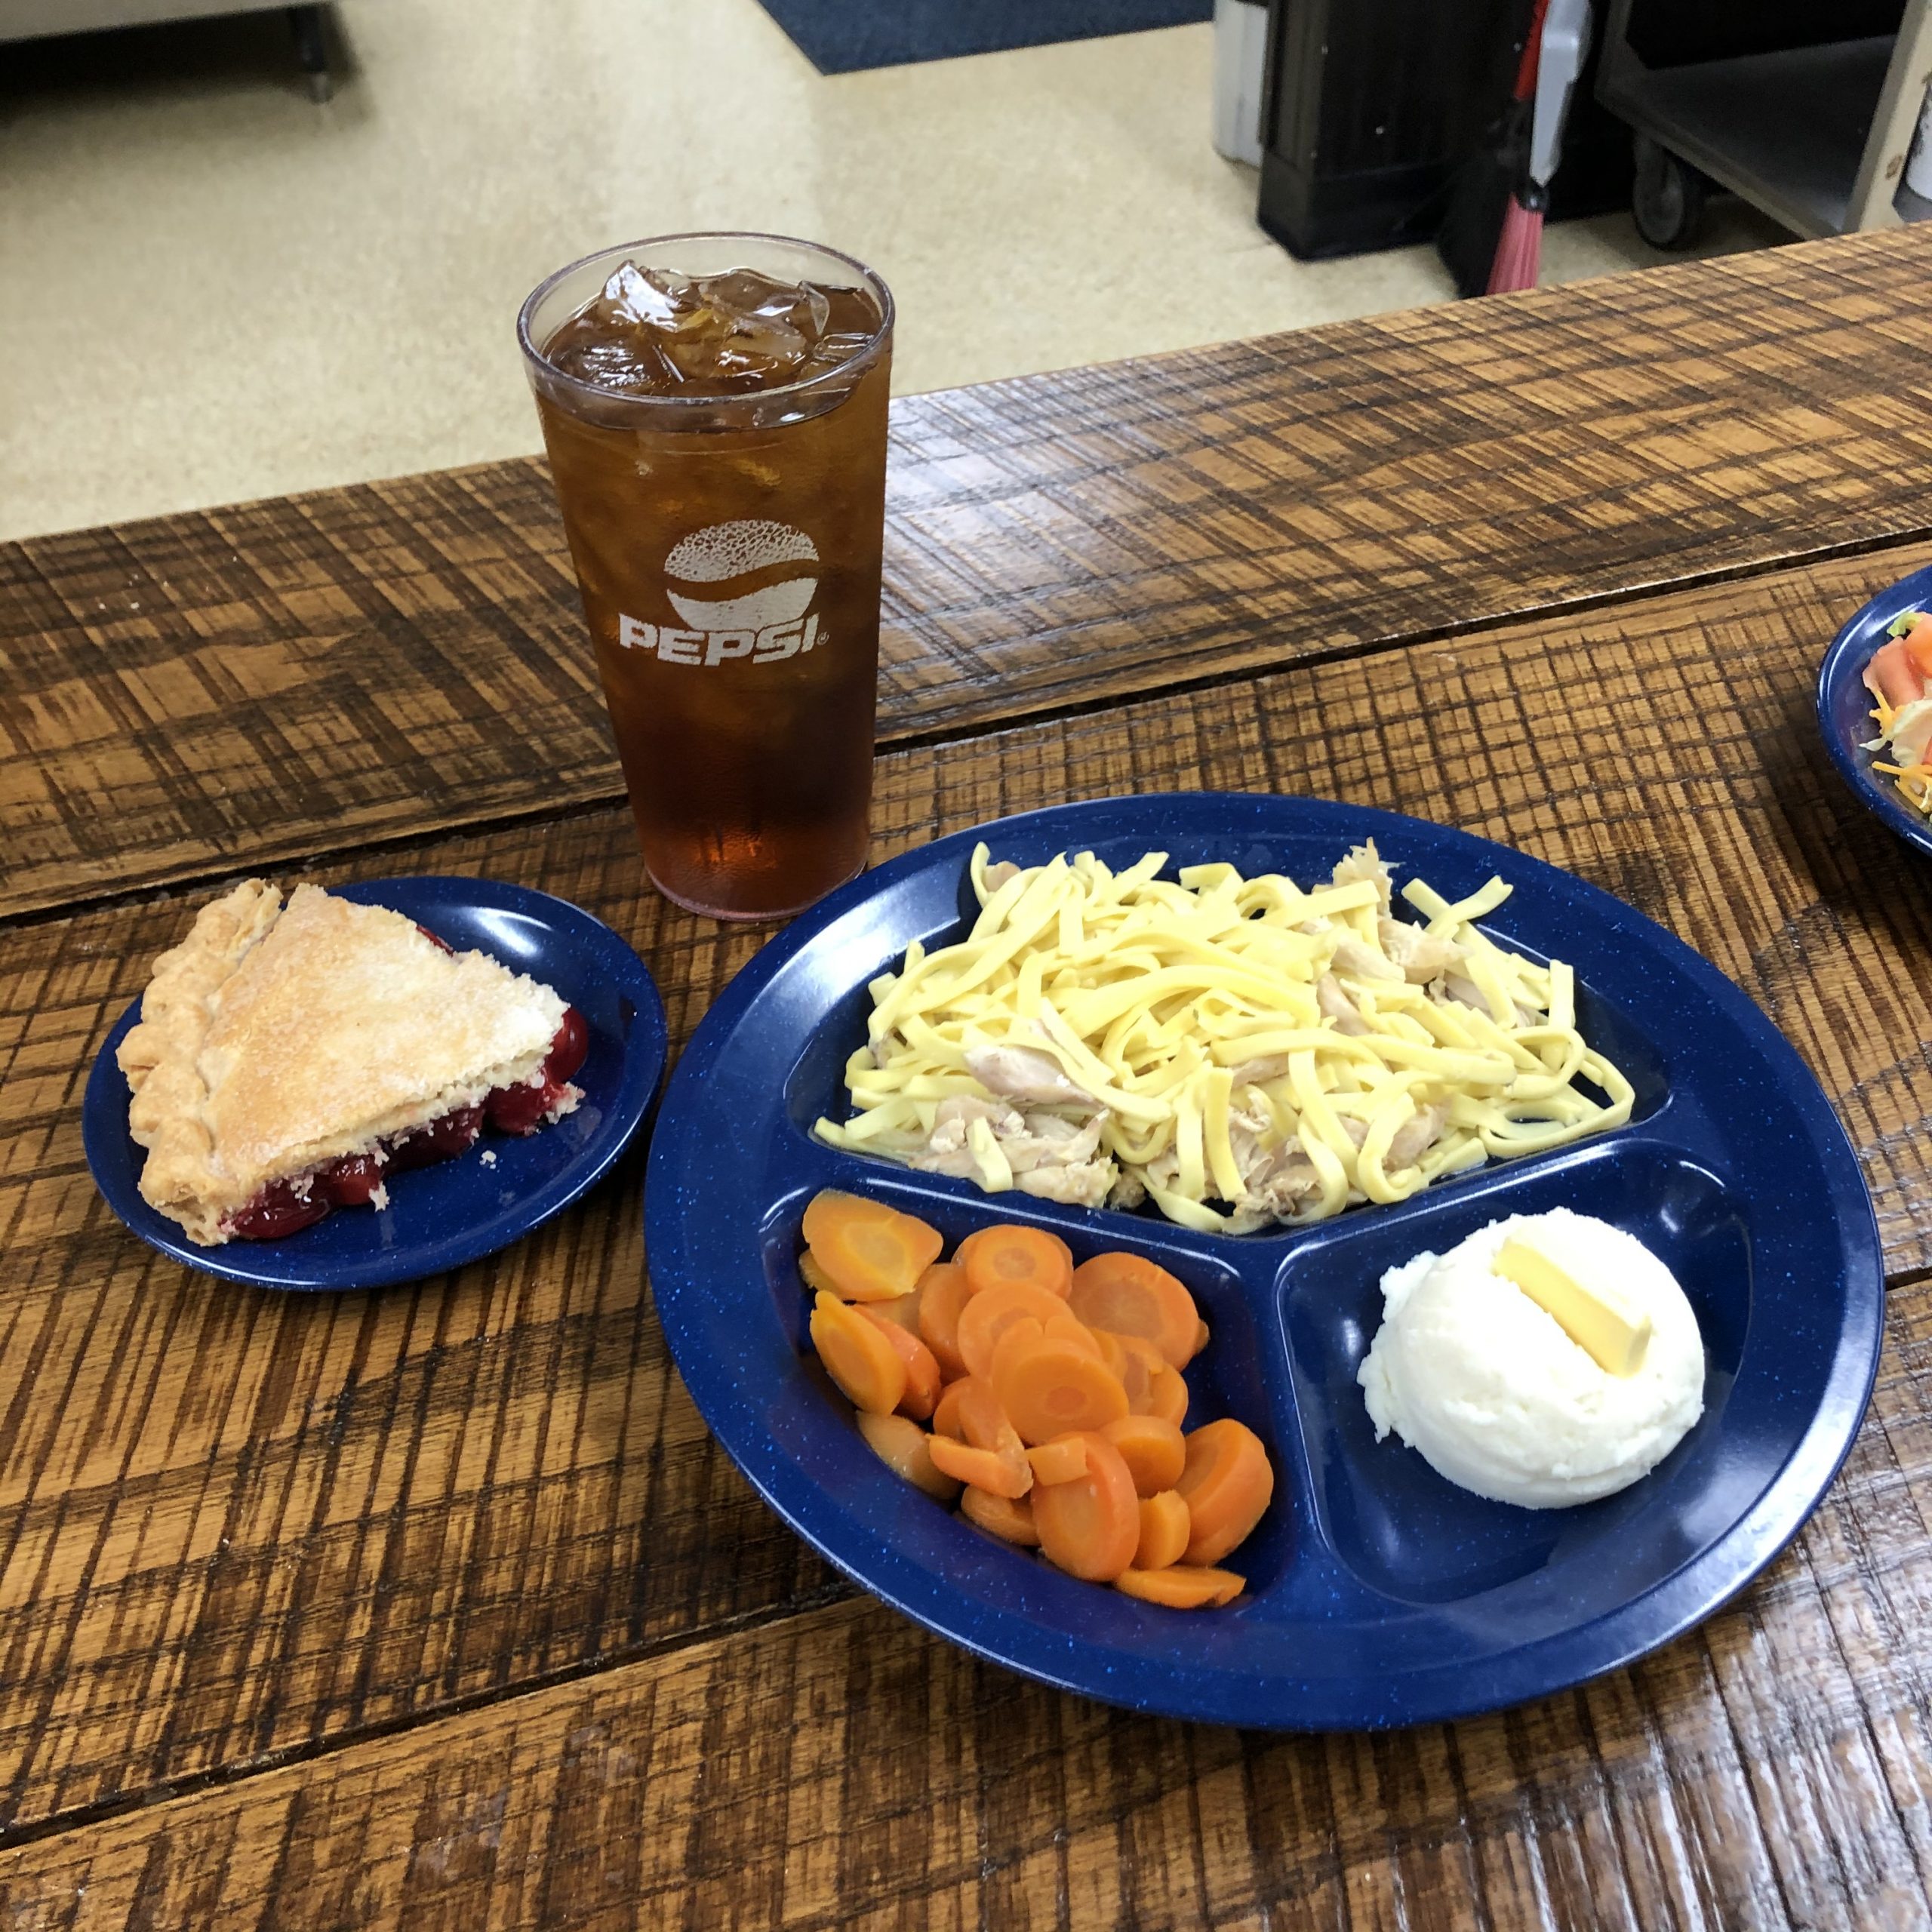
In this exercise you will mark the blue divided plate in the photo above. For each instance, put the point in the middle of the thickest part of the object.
(1844, 706)
(459, 1210)
(1378, 1593)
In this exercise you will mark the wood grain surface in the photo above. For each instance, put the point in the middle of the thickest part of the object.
(839, 1768)
(248, 685)
(235, 1526)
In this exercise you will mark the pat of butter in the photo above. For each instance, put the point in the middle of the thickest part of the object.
(1607, 1326)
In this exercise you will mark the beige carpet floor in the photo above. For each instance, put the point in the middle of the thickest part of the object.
(212, 288)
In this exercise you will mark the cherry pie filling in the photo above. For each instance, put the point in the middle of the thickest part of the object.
(284, 1206)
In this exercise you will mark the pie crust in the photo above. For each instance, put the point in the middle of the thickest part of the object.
(279, 1037)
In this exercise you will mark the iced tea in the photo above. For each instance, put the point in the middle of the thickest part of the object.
(715, 411)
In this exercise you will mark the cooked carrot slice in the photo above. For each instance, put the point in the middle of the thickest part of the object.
(1007, 1252)
(1136, 1361)
(1067, 1327)
(1227, 1483)
(969, 1415)
(943, 1293)
(901, 1445)
(1166, 1395)
(1090, 1527)
(1047, 1389)
(983, 1421)
(1130, 1295)
(946, 1414)
(1201, 1334)
(922, 1383)
(814, 1277)
(983, 1468)
(1154, 1452)
(1059, 1460)
(1009, 1518)
(1113, 1352)
(869, 1252)
(857, 1355)
(966, 1247)
(903, 1312)
(1164, 1527)
(1180, 1587)
(991, 1311)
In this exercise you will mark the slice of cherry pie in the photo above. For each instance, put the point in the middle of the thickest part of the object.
(290, 1058)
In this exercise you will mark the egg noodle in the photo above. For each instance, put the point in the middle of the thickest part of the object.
(1111, 1036)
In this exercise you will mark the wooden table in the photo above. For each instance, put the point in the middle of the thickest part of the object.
(438, 1607)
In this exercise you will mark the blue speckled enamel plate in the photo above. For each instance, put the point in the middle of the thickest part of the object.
(1378, 1593)
(440, 1216)
(1844, 706)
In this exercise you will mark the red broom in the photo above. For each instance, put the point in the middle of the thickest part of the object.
(1519, 247)
(1552, 58)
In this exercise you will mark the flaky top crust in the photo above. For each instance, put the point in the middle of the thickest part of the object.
(276, 1037)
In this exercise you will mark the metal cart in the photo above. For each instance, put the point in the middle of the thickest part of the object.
(1816, 136)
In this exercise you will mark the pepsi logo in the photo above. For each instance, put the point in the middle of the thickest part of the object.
(744, 588)
(742, 576)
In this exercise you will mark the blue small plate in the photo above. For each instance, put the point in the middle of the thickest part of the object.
(1844, 706)
(440, 1216)
(1378, 1593)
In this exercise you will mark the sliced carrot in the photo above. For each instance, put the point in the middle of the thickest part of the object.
(903, 1312)
(943, 1293)
(1007, 1253)
(815, 1277)
(983, 1421)
(1130, 1296)
(1155, 1451)
(983, 1469)
(857, 1355)
(945, 1414)
(869, 1251)
(1059, 1460)
(966, 1246)
(922, 1382)
(1166, 1395)
(1164, 1526)
(1227, 1483)
(1201, 1338)
(1180, 1589)
(1047, 1389)
(1113, 1352)
(1010, 1518)
(1067, 1327)
(991, 1311)
(1090, 1527)
(903, 1446)
(1140, 1361)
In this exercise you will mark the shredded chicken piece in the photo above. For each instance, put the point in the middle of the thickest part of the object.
(1337, 1006)
(1465, 993)
(946, 1151)
(1365, 862)
(1084, 1187)
(1417, 1135)
(1020, 1074)
(1361, 960)
(1260, 1072)
(1275, 1177)
(1049, 1154)
(1423, 956)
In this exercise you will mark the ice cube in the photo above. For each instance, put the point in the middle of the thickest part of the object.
(635, 296)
